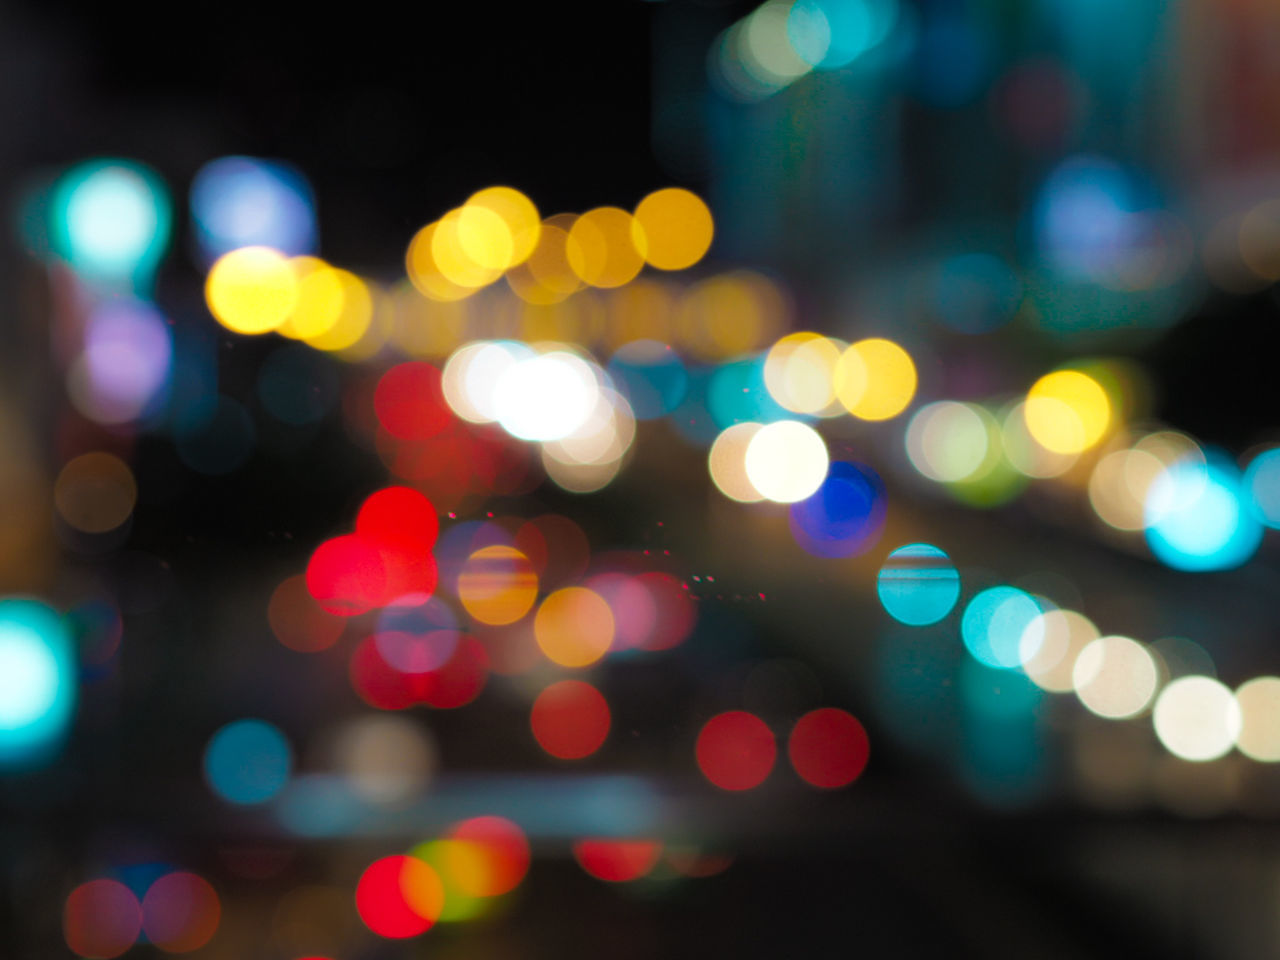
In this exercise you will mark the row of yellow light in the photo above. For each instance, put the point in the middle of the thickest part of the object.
(257, 290)
(499, 231)
(807, 373)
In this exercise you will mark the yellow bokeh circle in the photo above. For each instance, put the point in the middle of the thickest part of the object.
(1067, 411)
(605, 247)
(574, 627)
(251, 290)
(497, 585)
(874, 379)
(673, 227)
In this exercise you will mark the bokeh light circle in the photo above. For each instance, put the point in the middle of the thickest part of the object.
(1197, 718)
(1067, 411)
(994, 624)
(736, 750)
(674, 228)
(574, 627)
(828, 748)
(101, 919)
(1259, 702)
(247, 762)
(180, 912)
(918, 584)
(570, 719)
(251, 290)
(1115, 677)
(399, 897)
(786, 461)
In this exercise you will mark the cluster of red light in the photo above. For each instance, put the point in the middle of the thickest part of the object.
(402, 896)
(455, 463)
(386, 560)
(178, 913)
(454, 683)
(828, 748)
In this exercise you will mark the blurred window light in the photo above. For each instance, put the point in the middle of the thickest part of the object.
(1197, 518)
(1025, 454)
(111, 221)
(247, 762)
(845, 516)
(1051, 644)
(787, 461)
(95, 492)
(766, 49)
(37, 681)
(996, 625)
(1197, 718)
(727, 462)
(246, 202)
(101, 918)
(1115, 677)
(1262, 487)
(606, 247)
(122, 372)
(948, 441)
(918, 584)
(546, 397)
(399, 897)
(673, 227)
(875, 379)
(1067, 411)
(1259, 702)
(829, 34)
(251, 290)
(519, 216)
(799, 370)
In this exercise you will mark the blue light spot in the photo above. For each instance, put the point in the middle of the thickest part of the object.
(1262, 485)
(737, 394)
(247, 762)
(918, 584)
(242, 202)
(1084, 217)
(845, 516)
(110, 221)
(37, 681)
(993, 625)
(833, 33)
(1197, 519)
(650, 375)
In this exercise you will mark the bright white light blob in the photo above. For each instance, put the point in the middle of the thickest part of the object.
(787, 461)
(1259, 701)
(1115, 677)
(1197, 718)
(546, 397)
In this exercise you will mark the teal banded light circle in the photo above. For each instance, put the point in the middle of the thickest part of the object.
(918, 584)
